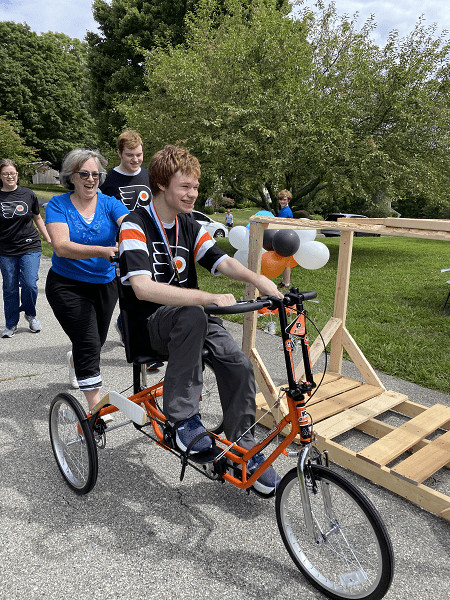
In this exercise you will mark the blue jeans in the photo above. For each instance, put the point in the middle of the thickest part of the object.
(20, 275)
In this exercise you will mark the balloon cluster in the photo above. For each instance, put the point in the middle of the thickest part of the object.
(282, 248)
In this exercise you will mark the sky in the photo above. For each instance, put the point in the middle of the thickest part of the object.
(74, 17)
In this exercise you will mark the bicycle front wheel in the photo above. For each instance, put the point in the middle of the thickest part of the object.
(349, 553)
(73, 443)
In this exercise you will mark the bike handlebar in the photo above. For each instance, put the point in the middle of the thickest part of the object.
(290, 299)
(239, 307)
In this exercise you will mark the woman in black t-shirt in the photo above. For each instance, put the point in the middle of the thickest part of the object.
(20, 249)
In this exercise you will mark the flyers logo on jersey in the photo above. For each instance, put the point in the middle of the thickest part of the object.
(135, 195)
(162, 269)
(12, 209)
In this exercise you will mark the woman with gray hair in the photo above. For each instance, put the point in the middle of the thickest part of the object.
(81, 288)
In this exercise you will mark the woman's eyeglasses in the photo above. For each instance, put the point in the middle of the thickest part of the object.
(87, 174)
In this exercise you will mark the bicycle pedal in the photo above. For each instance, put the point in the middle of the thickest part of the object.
(208, 456)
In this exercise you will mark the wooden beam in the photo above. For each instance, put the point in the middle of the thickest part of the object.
(254, 264)
(359, 360)
(433, 229)
(407, 435)
(424, 496)
(378, 429)
(357, 415)
(262, 376)
(341, 297)
(317, 347)
(426, 461)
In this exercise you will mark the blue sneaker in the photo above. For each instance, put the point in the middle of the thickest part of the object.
(189, 430)
(268, 482)
(154, 365)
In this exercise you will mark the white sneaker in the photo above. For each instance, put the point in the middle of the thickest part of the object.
(8, 333)
(34, 323)
(72, 377)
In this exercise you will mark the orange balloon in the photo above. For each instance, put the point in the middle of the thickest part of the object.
(292, 262)
(273, 264)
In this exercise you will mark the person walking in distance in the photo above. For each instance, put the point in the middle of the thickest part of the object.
(285, 212)
(20, 249)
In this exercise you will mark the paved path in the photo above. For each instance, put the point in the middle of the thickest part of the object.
(141, 533)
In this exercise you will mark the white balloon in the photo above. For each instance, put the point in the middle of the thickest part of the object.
(306, 235)
(242, 257)
(312, 255)
(239, 237)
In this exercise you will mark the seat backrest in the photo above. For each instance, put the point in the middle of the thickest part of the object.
(135, 337)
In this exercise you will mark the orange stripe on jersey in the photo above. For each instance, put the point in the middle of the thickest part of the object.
(131, 234)
(205, 238)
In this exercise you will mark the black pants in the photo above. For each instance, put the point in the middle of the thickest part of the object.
(182, 332)
(84, 311)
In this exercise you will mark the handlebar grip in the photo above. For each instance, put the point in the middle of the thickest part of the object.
(308, 295)
(239, 307)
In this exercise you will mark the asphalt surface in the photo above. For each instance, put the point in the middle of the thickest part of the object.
(140, 533)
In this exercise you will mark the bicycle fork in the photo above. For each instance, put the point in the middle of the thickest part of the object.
(312, 527)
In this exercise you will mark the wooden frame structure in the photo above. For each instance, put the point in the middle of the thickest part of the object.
(343, 404)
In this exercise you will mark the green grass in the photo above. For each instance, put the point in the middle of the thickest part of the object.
(394, 308)
(47, 191)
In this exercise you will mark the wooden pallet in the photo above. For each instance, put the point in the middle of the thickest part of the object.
(343, 404)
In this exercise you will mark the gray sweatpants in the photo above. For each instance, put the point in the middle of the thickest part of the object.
(181, 332)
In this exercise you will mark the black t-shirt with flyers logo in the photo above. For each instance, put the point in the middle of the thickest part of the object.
(18, 234)
(132, 190)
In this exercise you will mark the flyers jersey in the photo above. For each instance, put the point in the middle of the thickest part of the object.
(142, 252)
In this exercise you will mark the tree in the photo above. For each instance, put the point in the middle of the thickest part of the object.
(310, 104)
(221, 92)
(45, 87)
(13, 147)
(129, 29)
(116, 56)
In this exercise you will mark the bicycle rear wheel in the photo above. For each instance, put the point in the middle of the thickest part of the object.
(73, 443)
(210, 406)
(350, 554)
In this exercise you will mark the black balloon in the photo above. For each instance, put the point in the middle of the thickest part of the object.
(286, 242)
(268, 238)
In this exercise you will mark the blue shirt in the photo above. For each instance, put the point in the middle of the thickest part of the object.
(286, 213)
(102, 231)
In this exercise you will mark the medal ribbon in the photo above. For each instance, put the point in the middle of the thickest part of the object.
(165, 240)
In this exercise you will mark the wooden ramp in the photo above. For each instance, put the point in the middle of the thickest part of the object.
(401, 458)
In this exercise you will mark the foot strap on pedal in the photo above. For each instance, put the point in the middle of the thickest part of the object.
(199, 457)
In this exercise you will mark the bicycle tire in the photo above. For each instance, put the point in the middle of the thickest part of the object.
(210, 406)
(73, 443)
(354, 558)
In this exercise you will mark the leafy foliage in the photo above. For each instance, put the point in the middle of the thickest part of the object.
(13, 147)
(129, 29)
(311, 104)
(45, 88)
